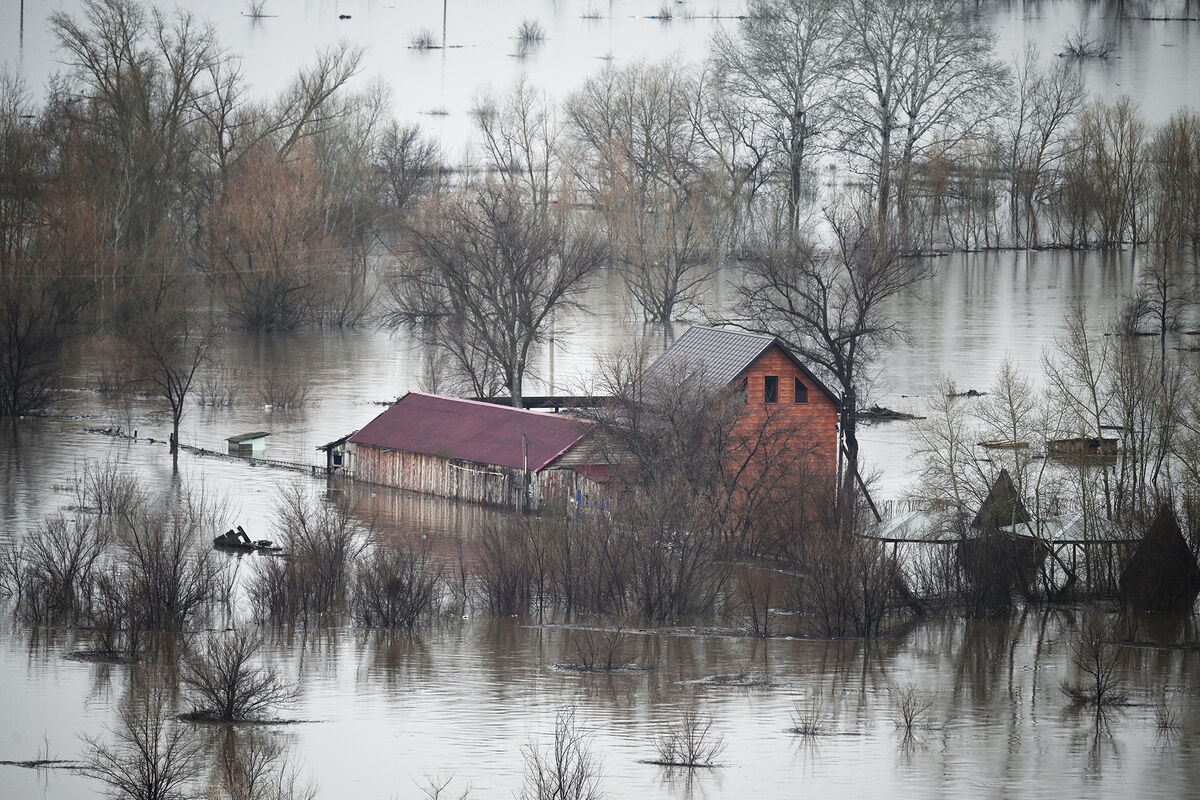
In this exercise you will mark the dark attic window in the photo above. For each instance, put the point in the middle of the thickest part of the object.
(801, 392)
(771, 389)
(744, 390)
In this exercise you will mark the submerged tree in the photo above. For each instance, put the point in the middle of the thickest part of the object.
(913, 67)
(484, 276)
(784, 63)
(148, 754)
(647, 166)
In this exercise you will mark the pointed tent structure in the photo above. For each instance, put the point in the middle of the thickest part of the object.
(1003, 506)
(1162, 575)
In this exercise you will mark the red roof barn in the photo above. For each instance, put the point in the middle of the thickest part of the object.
(472, 451)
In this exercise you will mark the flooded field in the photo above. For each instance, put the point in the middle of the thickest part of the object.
(463, 700)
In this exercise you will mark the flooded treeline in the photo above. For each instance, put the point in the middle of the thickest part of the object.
(150, 181)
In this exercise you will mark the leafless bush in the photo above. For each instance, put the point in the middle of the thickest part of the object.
(171, 573)
(12, 570)
(511, 575)
(256, 9)
(321, 540)
(753, 593)
(1095, 657)
(107, 487)
(1078, 43)
(530, 32)
(664, 14)
(597, 650)
(147, 755)
(394, 587)
(910, 707)
(847, 583)
(52, 571)
(809, 720)
(566, 769)
(690, 743)
(224, 682)
(113, 616)
(220, 388)
(285, 392)
(423, 40)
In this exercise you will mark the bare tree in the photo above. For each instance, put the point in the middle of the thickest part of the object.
(1045, 103)
(784, 62)
(42, 303)
(267, 240)
(484, 276)
(1095, 657)
(143, 76)
(519, 142)
(565, 769)
(830, 307)
(166, 338)
(912, 67)
(148, 755)
(224, 681)
(647, 166)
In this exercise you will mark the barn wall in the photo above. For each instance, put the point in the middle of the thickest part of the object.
(459, 480)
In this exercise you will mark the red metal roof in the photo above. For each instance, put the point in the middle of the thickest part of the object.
(471, 431)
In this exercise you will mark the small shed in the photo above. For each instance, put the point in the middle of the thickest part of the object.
(248, 445)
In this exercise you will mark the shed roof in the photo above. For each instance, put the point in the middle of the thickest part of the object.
(467, 430)
(721, 355)
(243, 438)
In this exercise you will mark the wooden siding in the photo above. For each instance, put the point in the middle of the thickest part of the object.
(462, 480)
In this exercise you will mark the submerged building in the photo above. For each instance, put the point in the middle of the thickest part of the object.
(473, 451)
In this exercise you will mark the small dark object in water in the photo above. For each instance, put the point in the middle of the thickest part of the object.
(343, 16)
(239, 540)
(878, 413)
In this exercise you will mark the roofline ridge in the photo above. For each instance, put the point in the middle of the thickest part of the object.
(737, 331)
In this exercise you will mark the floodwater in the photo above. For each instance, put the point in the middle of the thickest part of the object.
(463, 698)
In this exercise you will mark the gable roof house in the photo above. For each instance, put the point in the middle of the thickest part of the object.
(473, 451)
(779, 390)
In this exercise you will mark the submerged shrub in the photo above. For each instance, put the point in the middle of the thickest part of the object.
(51, 573)
(1095, 658)
(224, 681)
(690, 742)
(394, 587)
(320, 542)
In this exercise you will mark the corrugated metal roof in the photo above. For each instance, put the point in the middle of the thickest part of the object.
(716, 356)
(719, 355)
(470, 431)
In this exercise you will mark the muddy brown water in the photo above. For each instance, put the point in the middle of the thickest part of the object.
(464, 697)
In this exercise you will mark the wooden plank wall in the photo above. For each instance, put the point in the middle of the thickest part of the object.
(459, 480)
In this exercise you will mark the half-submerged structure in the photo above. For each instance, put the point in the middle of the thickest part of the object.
(473, 451)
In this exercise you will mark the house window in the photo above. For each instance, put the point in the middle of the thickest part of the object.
(744, 390)
(801, 392)
(771, 389)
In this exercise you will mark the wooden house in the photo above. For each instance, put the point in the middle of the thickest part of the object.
(473, 451)
(779, 391)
